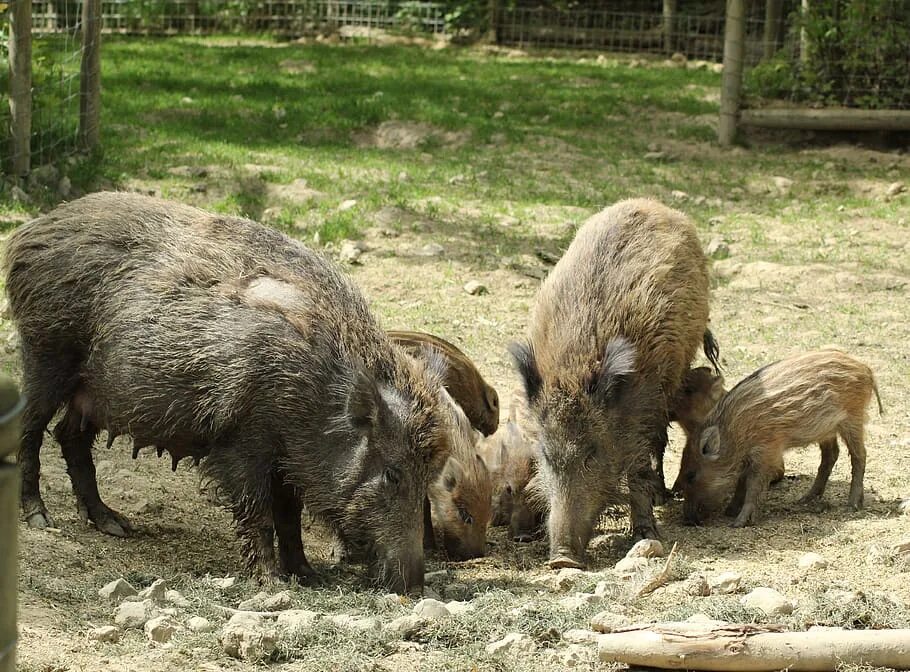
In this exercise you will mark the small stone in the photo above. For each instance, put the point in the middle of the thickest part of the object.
(782, 185)
(18, 195)
(679, 58)
(904, 507)
(403, 176)
(579, 601)
(717, 248)
(696, 585)
(116, 591)
(106, 633)
(394, 599)
(199, 624)
(630, 566)
(812, 561)
(679, 195)
(646, 548)
(277, 602)
(186, 100)
(769, 601)
(725, 583)
(457, 179)
(431, 594)
(844, 598)
(508, 220)
(431, 250)
(700, 200)
(177, 599)
(438, 575)
(431, 609)
(358, 623)
(459, 608)
(347, 205)
(717, 68)
(246, 636)
(579, 636)
(574, 655)
(475, 288)
(297, 619)
(566, 578)
(894, 189)
(254, 603)
(134, 614)
(405, 627)
(161, 629)
(350, 253)
(654, 156)
(226, 583)
(514, 643)
(607, 589)
(64, 187)
(155, 592)
(878, 555)
(46, 175)
(902, 548)
(457, 591)
(608, 621)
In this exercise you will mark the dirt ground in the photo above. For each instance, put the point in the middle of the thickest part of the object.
(792, 282)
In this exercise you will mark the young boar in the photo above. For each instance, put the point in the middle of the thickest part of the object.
(808, 398)
(615, 326)
(462, 379)
(213, 336)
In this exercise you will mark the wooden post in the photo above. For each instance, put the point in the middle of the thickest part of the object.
(803, 33)
(492, 11)
(90, 76)
(773, 14)
(20, 85)
(731, 84)
(10, 427)
(669, 26)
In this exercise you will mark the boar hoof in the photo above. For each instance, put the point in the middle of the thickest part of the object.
(644, 532)
(40, 519)
(110, 522)
(564, 562)
(661, 497)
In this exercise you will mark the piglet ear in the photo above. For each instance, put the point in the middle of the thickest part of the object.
(437, 364)
(526, 365)
(710, 443)
(618, 364)
(363, 403)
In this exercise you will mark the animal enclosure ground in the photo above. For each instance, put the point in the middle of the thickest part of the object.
(453, 165)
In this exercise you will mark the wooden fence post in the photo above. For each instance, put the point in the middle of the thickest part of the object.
(669, 26)
(492, 11)
(771, 38)
(20, 85)
(804, 45)
(10, 410)
(90, 76)
(732, 82)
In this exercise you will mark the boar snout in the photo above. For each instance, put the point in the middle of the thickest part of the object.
(402, 575)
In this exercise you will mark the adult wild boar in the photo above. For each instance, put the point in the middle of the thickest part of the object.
(213, 336)
(614, 328)
(808, 398)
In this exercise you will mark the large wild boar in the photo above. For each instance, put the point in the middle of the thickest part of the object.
(463, 381)
(807, 398)
(614, 328)
(213, 336)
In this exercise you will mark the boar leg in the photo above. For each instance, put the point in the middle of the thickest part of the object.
(829, 452)
(35, 419)
(76, 437)
(756, 485)
(286, 511)
(853, 437)
(429, 536)
(641, 487)
(739, 496)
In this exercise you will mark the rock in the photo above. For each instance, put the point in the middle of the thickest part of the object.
(254, 603)
(902, 548)
(894, 189)
(431, 594)
(134, 614)
(579, 600)
(475, 288)
(717, 248)
(297, 619)
(679, 195)
(394, 599)
(607, 589)
(431, 609)
(725, 583)
(226, 583)
(116, 591)
(431, 250)
(106, 633)
(403, 176)
(654, 156)
(812, 561)
(844, 598)
(186, 100)
(405, 627)
(508, 220)
(608, 621)
(646, 548)
(438, 575)
(579, 636)
(630, 566)
(177, 599)
(565, 578)
(717, 68)
(155, 592)
(769, 601)
(18, 195)
(903, 506)
(278, 602)
(878, 555)
(199, 624)
(679, 59)
(782, 185)
(515, 643)
(359, 623)
(347, 205)
(160, 629)
(696, 585)
(457, 591)
(12, 342)
(350, 253)
(574, 655)
(296, 192)
(459, 608)
(457, 179)
(246, 636)
(64, 187)
(46, 175)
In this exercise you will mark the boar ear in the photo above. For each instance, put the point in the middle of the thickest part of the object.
(710, 443)
(452, 474)
(617, 365)
(491, 399)
(363, 403)
(437, 364)
(526, 365)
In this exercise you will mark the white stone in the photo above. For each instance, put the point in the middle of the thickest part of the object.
(725, 583)
(474, 288)
(579, 636)
(566, 578)
(679, 195)
(155, 592)
(246, 636)
(347, 205)
(359, 623)
(630, 566)
(431, 250)
(606, 589)
(901, 548)
(654, 156)
(904, 507)
(438, 575)
(277, 602)
(134, 614)
(608, 621)
(459, 608)
(894, 189)
(254, 603)
(177, 599)
(350, 253)
(406, 626)
(579, 600)
(812, 561)
(574, 655)
(106, 633)
(115, 591)
(160, 629)
(297, 619)
(717, 248)
(767, 600)
(514, 643)
(646, 548)
(64, 187)
(431, 609)
(844, 598)
(199, 624)
(782, 185)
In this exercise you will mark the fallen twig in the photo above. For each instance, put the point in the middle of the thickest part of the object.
(661, 578)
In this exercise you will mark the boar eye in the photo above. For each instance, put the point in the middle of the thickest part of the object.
(509, 489)
(690, 477)
(391, 476)
(465, 516)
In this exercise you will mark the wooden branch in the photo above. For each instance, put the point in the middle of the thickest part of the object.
(732, 79)
(661, 578)
(713, 645)
(829, 119)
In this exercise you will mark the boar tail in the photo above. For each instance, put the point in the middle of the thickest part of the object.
(881, 411)
(712, 350)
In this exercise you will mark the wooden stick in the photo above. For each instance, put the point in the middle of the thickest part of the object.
(751, 648)
(661, 578)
